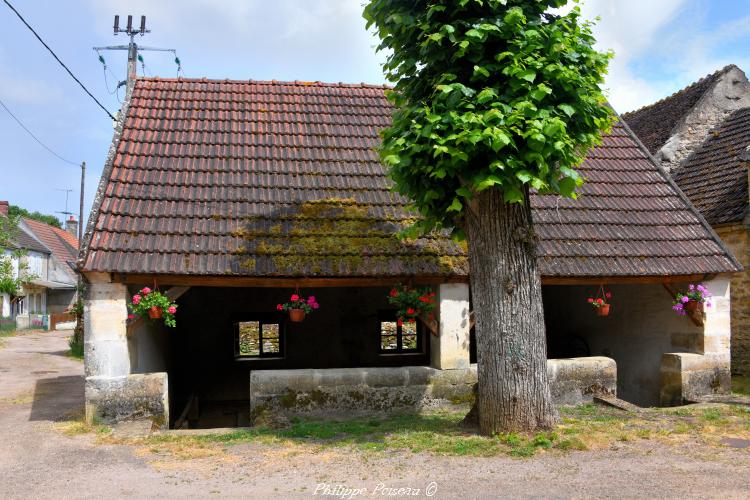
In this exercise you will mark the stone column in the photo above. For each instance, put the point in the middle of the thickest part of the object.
(688, 377)
(113, 393)
(105, 314)
(450, 350)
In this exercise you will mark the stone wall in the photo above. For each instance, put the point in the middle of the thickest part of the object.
(737, 238)
(730, 93)
(363, 391)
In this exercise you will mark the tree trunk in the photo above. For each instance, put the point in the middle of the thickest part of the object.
(513, 392)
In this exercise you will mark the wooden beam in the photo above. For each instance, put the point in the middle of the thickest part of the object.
(625, 280)
(326, 282)
(273, 282)
(172, 293)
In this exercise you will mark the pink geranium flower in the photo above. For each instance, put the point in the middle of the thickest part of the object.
(145, 290)
(136, 299)
(172, 310)
(295, 297)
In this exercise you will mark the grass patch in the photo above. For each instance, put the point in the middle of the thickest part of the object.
(586, 427)
(741, 385)
(76, 348)
(5, 333)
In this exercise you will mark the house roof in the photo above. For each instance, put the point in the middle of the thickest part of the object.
(26, 241)
(653, 124)
(61, 243)
(282, 179)
(714, 177)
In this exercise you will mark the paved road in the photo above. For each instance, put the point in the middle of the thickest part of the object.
(40, 385)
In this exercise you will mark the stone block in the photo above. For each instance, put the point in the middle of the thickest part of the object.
(687, 377)
(576, 380)
(131, 397)
(363, 391)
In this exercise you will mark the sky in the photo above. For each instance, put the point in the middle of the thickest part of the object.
(660, 47)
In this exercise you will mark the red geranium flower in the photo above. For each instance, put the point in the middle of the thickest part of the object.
(393, 292)
(410, 311)
(400, 321)
(599, 301)
(608, 295)
(279, 307)
(294, 297)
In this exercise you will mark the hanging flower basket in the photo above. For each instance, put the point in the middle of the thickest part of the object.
(298, 307)
(154, 305)
(601, 302)
(412, 303)
(692, 302)
(296, 315)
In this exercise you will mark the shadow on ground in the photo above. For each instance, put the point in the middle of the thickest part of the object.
(57, 398)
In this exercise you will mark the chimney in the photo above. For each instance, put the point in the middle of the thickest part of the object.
(4, 206)
(71, 226)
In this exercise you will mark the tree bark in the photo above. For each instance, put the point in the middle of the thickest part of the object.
(513, 392)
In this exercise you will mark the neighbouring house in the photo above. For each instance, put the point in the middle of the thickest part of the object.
(702, 134)
(230, 195)
(48, 257)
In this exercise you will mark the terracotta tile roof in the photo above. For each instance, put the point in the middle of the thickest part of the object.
(714, 177)
(654, 123)
(281, 179)
(61, 243)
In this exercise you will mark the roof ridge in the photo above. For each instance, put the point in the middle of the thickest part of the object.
(682, 91)
(298, 83)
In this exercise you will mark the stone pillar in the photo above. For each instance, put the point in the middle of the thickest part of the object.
(105, 314)
(450, 350)
(687, 377)
(112, 392)
(717, 329)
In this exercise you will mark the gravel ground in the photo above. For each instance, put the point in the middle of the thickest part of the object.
(40, 385)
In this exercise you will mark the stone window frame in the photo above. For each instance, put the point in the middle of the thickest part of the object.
(390, 316)
(261, 318)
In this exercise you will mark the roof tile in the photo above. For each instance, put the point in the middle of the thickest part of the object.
(282, 179)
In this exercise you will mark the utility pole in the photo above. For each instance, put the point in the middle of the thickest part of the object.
(80, 209)
(133, 47)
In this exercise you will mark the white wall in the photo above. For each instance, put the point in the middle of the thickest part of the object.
(640, 328)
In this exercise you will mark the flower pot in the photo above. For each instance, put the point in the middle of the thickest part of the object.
(154, 312)
(602, 310)
(693, 306)
(296, 315)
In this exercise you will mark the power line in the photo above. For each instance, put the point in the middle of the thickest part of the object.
(35, 137)
(58, 59)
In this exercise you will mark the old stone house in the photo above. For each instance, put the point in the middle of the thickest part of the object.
(702, 136)
(230, 195)
(49, 257)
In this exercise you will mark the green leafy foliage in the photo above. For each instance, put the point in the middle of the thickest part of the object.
(12, 277)
(16, 211)
(493, 94)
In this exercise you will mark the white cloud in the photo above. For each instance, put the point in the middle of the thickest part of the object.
(630, 28)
